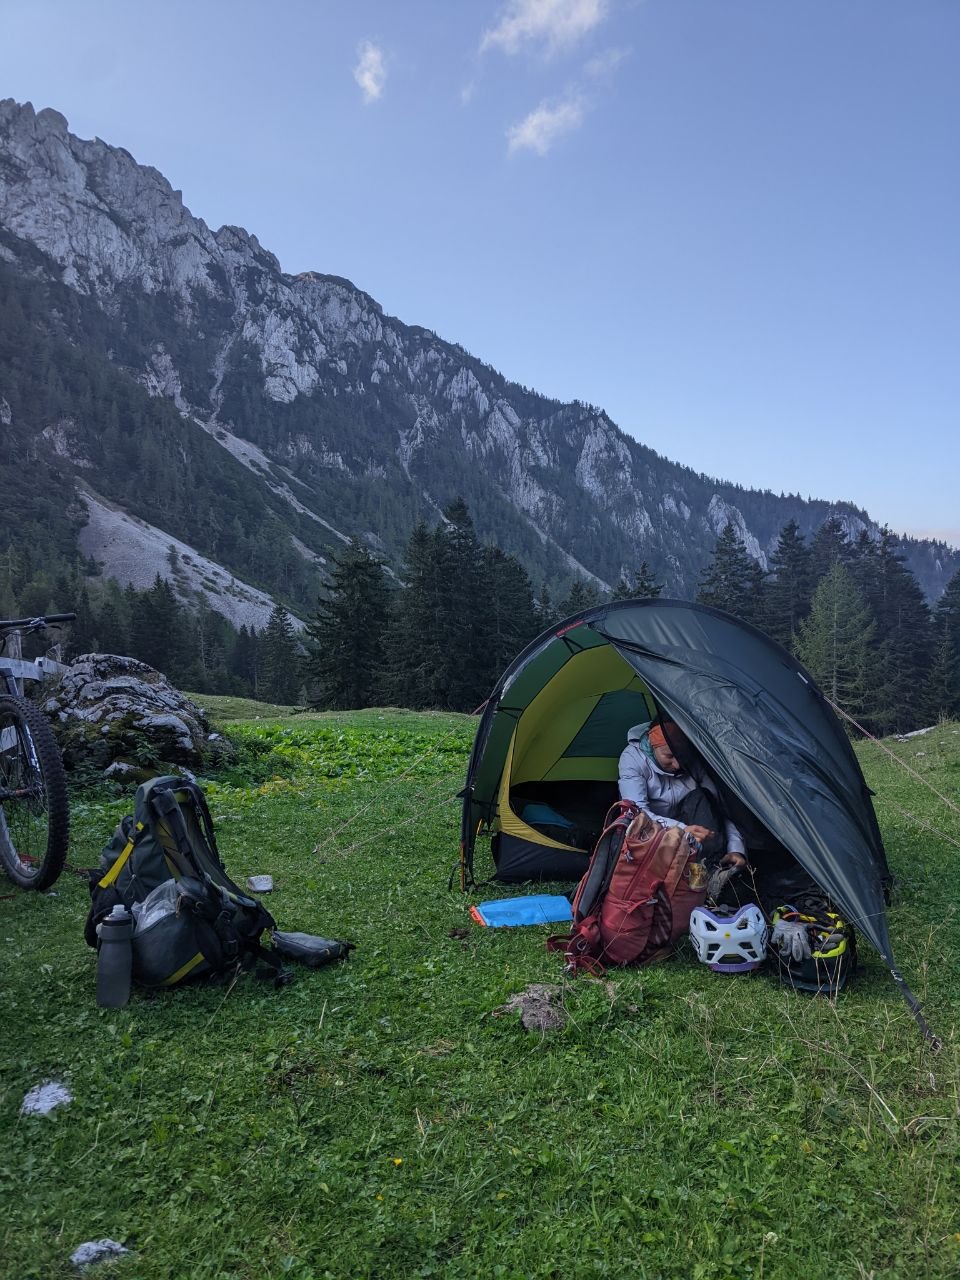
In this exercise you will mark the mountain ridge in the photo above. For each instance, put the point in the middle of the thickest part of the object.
(347, 420)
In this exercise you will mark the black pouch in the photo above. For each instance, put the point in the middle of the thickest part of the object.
(306, 948)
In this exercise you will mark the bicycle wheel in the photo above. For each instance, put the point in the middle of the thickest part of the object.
(34, 814)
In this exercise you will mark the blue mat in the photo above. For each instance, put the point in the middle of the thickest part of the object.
(542, 813)
(540, 908)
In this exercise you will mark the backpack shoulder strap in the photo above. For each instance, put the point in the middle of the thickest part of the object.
(120, 861)
(596, 879)
(167, 808)
(199, 800)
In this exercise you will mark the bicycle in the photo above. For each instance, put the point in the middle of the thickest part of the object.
(34, 813)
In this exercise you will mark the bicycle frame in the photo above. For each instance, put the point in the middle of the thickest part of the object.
(15, 670)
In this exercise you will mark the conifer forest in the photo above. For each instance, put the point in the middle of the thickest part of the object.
(439, 634)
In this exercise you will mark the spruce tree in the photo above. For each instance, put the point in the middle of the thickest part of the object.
(461, 675)
(641, 585)
(345, 637)
(546, 611)
(582, 595)
(904, 638)
(82, 637)
(833, 642)
(281, 679)
(733, 581)
(148, 626)
(510, 618)
(790, 589)
(829, 545)
(945, 674)
(411, 647)
(245, 662)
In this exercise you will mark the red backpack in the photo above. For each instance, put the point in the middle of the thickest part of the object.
(635, 898)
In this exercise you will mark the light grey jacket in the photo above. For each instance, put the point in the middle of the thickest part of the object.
(658, 793)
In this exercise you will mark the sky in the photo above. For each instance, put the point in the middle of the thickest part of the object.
(734, 225)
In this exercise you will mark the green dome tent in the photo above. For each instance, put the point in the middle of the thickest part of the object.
(544, 763)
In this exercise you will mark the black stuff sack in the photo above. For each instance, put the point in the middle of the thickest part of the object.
(309, 950)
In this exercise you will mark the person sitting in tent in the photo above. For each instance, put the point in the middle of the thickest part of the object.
(678, 794)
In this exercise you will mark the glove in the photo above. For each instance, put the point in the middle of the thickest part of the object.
(791, 939)
(717, 881)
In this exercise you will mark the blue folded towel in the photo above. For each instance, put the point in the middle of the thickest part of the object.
(540, 908)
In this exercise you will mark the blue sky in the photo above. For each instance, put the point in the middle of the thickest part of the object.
(733, 224)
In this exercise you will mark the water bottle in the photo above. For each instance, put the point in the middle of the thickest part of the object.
(115, 958)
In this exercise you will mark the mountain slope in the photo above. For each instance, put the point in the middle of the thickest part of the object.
(296, 411)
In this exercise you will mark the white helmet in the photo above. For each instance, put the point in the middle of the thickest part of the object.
(727, 940)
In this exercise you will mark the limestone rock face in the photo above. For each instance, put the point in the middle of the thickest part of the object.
(307, 383)
(114, 711)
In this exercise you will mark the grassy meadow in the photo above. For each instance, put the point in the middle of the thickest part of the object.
(374, 1119)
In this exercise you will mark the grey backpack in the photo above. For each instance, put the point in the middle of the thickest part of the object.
(164, 866)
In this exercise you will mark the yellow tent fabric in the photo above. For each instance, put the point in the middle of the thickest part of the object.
(559, 711)
(551, 722)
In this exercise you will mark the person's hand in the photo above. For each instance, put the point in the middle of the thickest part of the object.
(736, 861)
(699, 833)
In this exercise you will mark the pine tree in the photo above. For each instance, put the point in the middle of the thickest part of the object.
(345, 644)
(789, 591)
(733, 581)
(281, 680)
(834, 642)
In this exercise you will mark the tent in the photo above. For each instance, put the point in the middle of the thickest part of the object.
(544, 763)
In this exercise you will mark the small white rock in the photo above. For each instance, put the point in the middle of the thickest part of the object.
(260, 884)
(91, 1251)
(43, 1098)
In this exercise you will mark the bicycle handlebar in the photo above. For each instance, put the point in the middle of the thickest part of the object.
(34, 624)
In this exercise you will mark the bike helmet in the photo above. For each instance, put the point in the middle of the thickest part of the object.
(814, 948)
(728, 939)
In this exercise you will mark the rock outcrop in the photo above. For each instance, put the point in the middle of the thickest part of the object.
(121, 717)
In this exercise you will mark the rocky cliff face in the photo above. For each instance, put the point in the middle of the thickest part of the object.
(357, 422)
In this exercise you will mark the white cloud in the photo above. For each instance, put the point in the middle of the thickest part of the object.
(605, 64)
(543, 126)
(555, 23)
(370, 72)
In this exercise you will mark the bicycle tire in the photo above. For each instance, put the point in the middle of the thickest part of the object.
(34, 811)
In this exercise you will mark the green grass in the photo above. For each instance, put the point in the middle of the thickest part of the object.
(224, 710)
(373, 1119)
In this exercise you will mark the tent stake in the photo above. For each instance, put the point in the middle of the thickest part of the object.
(913, 1004)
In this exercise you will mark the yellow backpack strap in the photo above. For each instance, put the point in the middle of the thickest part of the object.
(120, 863)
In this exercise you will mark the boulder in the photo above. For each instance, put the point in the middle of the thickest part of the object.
(121, 717)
